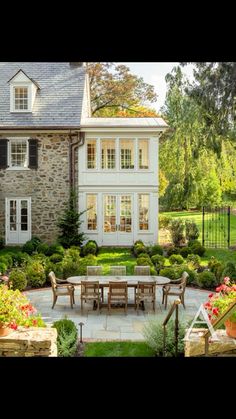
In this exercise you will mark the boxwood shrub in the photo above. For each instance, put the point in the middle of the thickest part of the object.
(155, 250)
(206, 279)
(17, 279)
(35, 274)
(176, 259)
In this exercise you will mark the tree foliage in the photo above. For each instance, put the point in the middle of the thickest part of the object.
(114, 89)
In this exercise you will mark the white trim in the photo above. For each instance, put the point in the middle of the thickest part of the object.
(10, 139)
(28, 233)
(17, 85)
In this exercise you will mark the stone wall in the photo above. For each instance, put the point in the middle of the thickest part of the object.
(34, 341)
(195, 346)
(48, 186)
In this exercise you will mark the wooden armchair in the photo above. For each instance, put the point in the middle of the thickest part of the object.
(176, 287)
(59, 289)
(90, 291)
(118, 270)
(142, 270)
(118, 293)
(145, 292)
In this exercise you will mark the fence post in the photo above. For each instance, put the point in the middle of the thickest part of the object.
(203, 217)
(228, 227)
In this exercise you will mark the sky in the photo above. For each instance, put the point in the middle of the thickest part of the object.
(154, 73)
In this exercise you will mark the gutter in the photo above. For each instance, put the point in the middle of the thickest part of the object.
(79, 141)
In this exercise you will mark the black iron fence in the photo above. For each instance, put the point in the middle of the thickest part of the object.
(216, 227)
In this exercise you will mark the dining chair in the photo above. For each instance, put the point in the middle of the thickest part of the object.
(142, 270)
(118, 293)
(145, 292)
(59, 289)
(176, 287)
(118, 270)
(90, 291)
(94, 270)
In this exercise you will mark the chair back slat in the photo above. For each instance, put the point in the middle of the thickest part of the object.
(94, 270)
(52, 278)
(118, 288)
(146, 288)
(142, 270)
(90, 287)
(118, 270)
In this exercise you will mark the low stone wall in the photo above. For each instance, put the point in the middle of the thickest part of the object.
(34, 341)
(195, 346)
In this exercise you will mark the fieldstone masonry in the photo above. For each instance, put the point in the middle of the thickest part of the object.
(48, 186)
(195, 346)
(35, 341)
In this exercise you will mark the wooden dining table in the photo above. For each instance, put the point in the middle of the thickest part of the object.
(132, 281)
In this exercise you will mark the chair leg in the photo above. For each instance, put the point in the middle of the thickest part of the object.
(163, 295)
(154, 305)
(54, 301)
(81, 305)
(137, 306)
(165, 301)
(71, 300)
(182, 299)
(73, 297)
(98, 307)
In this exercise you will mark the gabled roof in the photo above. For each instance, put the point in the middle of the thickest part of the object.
(58, 103)
(21, 71)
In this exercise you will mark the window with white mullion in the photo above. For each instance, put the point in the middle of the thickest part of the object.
(127, 147)
(144, 210)
(91, 154)
(143, 153)
(92, 212)
(21, 98)
(108, 154)
(18, 153)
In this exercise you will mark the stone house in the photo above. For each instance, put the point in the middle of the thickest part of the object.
(49, 143)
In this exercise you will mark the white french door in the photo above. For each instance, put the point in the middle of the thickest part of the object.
(18, 220)
(117, 219)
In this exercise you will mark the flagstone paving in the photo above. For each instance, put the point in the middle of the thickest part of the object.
(117, 325)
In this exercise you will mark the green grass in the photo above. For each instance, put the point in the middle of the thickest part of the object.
(197, 218)
(116, 256)
(118, 349)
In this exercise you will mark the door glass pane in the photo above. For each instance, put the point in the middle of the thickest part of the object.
(92, 212)
(109, 214)
(143, 212)
(143, 154)
(125, 213)
(127, 154)
(108, 148)
(12, 215)
(24, 215)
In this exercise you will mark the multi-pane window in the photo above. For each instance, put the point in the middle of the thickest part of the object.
(21, 98)
(109, 214)
(127, 154)
(18, 153)
(143, 154)
(92, 212)
(125, 213)
(24, 215)
(143, 212)
(91, 154)
(108, 150)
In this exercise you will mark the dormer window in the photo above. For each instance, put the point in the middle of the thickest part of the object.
(21, 98)
(23, 91)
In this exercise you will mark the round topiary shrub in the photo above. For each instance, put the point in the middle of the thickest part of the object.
(20, 259)
(3, 268)
(43, 248)
(55, 258)
(206, 279)
(172, 251)
(55, 248)
(194, 261)
(230, 271)
(18, 279)
(158, 261)
(72, 254)
(144, 255)
(89, 248)
(194, 242)
(198, 250)
(176, 260)
(139, 248)
(185, 251)
(35, 274)
(156, 250)
(28, 247)
(144, 261)
(169, 273)
(192, 278)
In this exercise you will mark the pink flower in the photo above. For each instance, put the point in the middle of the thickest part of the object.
(215, 311)
(210, 295)
(226, 280)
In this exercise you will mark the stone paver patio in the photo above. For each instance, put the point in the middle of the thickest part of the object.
(116, 326)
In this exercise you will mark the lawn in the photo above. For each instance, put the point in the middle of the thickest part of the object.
(117, 349)
(197, 218)
(112, 256)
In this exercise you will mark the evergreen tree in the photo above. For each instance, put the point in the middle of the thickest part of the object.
(69, 224)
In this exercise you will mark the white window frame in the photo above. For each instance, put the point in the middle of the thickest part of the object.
(149, 218)
(96, 153)
(12, 97)
(86, 197)
(115, 148)
(11, 139)
(134, 144)
(148, 153)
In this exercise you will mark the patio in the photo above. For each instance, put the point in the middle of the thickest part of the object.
(116, 326)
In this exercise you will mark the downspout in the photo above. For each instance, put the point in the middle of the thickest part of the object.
(80, 138)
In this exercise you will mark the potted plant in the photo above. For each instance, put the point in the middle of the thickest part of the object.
(16, 310)
(219, 302)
